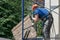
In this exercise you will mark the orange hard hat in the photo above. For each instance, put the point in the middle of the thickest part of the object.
(34, 6)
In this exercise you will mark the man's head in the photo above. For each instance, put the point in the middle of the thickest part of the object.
(34, 6)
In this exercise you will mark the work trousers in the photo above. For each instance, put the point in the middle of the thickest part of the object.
(47, 23)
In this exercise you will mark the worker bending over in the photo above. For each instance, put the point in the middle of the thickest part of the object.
(46, 17)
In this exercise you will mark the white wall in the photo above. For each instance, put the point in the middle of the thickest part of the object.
(54, 3)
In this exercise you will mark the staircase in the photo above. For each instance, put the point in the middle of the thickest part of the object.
(17, 30)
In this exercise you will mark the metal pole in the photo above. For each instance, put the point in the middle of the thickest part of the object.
(22, 19)
(44, 3)
(59, 18)
(50, 5)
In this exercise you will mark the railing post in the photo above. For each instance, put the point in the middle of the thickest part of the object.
(22, 19)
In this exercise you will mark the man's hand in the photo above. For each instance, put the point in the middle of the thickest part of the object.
(32, 24)
(36, 18)
(32, 20)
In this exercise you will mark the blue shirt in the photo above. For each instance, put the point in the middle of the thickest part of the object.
(41, 12)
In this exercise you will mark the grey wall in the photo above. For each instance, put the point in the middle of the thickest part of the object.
(4, 39)
(55, 30)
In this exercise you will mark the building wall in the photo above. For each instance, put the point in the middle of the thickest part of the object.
(55, 27)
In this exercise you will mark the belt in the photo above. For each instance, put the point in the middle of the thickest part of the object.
(44, 19)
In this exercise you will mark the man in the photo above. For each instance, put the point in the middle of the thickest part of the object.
(46, 17)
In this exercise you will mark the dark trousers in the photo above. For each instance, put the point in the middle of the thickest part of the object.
(47, 23)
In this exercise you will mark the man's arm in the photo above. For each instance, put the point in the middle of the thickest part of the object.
(36, 18)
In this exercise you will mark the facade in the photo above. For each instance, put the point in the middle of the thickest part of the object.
(50, 5)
